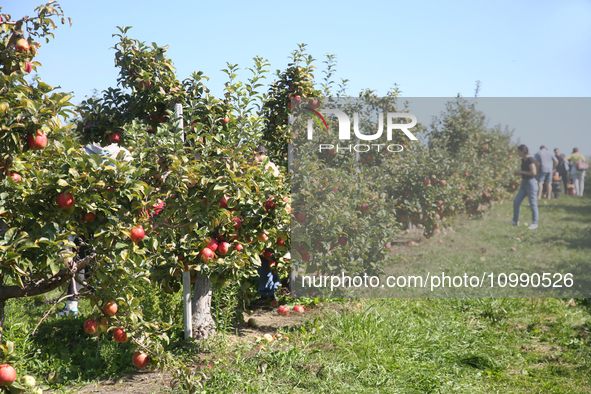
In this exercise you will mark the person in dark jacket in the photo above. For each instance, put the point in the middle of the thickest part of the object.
(562, 168)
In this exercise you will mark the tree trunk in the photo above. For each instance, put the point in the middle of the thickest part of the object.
(203, 324)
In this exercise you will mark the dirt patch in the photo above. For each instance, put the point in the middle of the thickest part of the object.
(137, 383)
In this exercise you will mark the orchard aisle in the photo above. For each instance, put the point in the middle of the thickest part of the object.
(561, 242)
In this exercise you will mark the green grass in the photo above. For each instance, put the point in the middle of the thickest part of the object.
(562, 244)
(422, 345)
(458, 345)
(425, 346)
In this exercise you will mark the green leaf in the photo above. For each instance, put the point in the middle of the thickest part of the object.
(54, 268)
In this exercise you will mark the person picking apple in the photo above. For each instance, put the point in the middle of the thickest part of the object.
(268, 279)
(82, 249)
(260, 154)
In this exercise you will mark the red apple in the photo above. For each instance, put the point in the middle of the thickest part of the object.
(443, 183)
(89, 217)
(65, 200)
(406, 193)
(37, 141)
(110, 308)
(223, 203)
(225, 120)
(314, 103)
(238, 247)
(115, 138)
(267, 254)
(283, 310)
(137, 233)
(280, 242)
(144, 85)
(306, 257)
(342, 241)
(206, 254)
(298, 309)
(237, 222)
(252, 322)
(119, 335)
(223, 248)
(16, 177)
(364, 207)
(513, 249)
(269, 204)
(426, 182)
(213, 244)
(28, 67)
(7, 374)
(22, 45)
(466, 174)
(91, 326)
(140, 359)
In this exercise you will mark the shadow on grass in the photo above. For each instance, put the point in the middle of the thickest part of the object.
(76, 355)
(569, 210)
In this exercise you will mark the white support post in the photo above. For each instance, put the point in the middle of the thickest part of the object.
(178, 108)
(187, 312)
(289, 149)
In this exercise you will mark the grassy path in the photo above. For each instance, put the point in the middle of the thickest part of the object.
(477, 345)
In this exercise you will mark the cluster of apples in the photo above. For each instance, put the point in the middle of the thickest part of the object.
(283, 310)
(23, 46)
(91, 326)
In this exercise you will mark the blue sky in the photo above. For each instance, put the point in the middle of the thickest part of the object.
(429, 48)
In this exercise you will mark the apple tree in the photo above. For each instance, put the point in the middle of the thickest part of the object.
(210, 209)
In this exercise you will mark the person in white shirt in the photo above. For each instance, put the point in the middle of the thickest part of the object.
(111, 151)
(547, 162)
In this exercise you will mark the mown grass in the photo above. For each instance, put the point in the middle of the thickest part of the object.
(426, 345)
(458, 345)
(561, 244)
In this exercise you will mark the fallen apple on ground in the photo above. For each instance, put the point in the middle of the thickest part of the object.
(283, 310)
(298, 309)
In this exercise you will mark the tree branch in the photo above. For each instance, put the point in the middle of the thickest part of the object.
(54, 305)
(46, 285)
